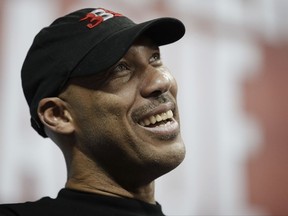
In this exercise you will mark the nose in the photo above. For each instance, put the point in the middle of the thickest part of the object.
(156, 82)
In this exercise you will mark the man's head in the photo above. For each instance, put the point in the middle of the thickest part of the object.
(83, 43)
(96, 79)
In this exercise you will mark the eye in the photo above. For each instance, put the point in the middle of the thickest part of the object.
(120, 67)
(155, 58)
(120, 70)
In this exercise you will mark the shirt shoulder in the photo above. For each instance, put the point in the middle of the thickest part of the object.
(44, 206)
(75, 203)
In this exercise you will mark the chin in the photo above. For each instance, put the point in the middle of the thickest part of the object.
(176, 159)
(170, 159)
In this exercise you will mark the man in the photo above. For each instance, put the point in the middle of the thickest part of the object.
(96, 85)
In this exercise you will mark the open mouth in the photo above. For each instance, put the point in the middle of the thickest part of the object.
(158, 119)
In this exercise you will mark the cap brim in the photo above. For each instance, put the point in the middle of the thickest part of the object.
(162, 31)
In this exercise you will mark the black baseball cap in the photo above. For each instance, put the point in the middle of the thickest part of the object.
(83, 43)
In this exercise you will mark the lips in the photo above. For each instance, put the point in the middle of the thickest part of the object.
(161, 123)
(158, 119)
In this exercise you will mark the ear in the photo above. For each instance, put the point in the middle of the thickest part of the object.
(54, 114)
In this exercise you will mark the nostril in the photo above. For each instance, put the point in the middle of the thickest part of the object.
(156, 93)
(155, 89)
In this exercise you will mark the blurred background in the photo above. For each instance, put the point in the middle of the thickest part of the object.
(232, 72)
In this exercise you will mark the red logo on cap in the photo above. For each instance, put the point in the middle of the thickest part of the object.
(98, 16)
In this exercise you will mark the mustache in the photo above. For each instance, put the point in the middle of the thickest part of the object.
(152, 104)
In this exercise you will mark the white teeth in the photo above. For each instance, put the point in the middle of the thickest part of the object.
(147, 121)
(169, 114)
(157, 118)
(164, 116)
(152, 119)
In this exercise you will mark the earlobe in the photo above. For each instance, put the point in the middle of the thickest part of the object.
(54, 114)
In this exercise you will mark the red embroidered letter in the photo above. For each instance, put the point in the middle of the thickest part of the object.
(98, 16)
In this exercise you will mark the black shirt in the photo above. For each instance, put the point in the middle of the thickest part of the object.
(76, 203)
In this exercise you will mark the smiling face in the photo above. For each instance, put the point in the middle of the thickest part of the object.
(127, 120)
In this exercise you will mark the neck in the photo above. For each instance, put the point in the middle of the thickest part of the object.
(145, 193)
(88, 177)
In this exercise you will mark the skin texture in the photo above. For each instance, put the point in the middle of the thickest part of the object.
(96, 123)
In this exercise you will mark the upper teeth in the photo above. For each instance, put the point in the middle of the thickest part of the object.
(157, 118)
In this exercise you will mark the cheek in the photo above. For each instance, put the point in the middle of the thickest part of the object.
(107, 111)
(98, 114)
(103, 131)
